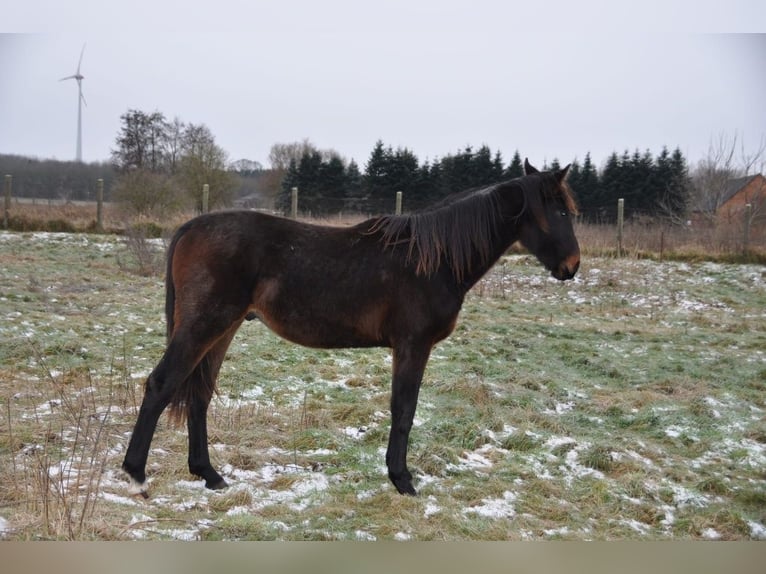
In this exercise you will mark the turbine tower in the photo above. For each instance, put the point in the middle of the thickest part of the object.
(80, 101)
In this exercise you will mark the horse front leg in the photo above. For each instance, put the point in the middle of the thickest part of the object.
(408, 366)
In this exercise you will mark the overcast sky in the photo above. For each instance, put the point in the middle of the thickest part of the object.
(551, 79)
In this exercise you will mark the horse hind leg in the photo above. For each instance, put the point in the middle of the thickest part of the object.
(203, 378)
(158, 392)
(172, 373)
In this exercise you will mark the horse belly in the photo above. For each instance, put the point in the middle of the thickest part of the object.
(322, 334)
(322, 322)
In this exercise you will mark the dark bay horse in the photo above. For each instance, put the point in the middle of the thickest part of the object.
(391, 281)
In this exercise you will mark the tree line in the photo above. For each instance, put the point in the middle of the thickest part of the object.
(653, 186)
(159, 165)
(54, 179)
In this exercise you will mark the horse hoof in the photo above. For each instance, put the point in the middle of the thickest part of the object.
(138, 488)
(218, 485)
(404, 486)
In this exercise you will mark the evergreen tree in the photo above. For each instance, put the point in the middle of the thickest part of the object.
(638, 189)
(610, 189)
(354, 187)
(679, 188)
(426, 188)
(587, 187)
(376, 171)
(436, 185)
(515, 168)
(497, 167)
(574, 176)
(483, 168)
(457, 171)
(331, 186)
(289, 181)
(663, 173)
(402, 171)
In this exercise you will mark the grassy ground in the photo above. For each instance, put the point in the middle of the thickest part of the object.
(628, 404)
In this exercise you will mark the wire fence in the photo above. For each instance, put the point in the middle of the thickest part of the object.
(634, 232)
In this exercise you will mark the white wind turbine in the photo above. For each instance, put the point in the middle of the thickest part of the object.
(80, 101)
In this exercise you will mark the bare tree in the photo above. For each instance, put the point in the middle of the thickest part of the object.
(245, 167)
(281, 154)
(173, 144)
(204, 162)
(141, 142)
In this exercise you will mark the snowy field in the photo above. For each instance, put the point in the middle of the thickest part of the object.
(629, 403)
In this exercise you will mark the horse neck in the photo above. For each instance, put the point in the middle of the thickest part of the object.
(511, 206)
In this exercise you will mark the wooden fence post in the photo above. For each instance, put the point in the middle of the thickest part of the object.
(7, 201)
(746, 235)
(398, 203)
(294, 203)
(620, 224)
(205, 197)
(99, 205)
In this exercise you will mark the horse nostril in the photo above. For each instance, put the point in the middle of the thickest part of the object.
(567, 269)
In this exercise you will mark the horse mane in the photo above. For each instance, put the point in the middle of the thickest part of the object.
(464, 226)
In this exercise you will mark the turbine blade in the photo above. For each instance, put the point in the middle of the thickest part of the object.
(80, 62)
(83, 99)
(68, 78)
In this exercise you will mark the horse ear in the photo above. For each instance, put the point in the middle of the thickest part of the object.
(529, 168)
(561, 174)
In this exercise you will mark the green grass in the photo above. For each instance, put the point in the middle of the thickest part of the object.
(628, 404)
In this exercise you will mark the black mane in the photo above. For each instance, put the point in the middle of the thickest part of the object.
(464, 225)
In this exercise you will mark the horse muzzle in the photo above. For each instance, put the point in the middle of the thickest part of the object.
(568, 268)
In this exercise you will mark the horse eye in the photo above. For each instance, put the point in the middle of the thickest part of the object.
(563, 213)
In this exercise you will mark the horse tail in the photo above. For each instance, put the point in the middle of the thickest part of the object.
(170, 289)
(181, 400)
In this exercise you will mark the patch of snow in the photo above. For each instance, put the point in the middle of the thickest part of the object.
(431, 507)
(670, 516)
(355, 432)
(496, 507)
(365, 536)
(402, 536)
(684, 497)
(191, 484)
(475, 460)
(560, 408)
(237, 511)
(556, 441)
(711, 534)
(675, 431)
(183, 535)
(639, 527)
(137, 520)
(577, 470)
(757, 530)
(296, 497)
(117, 499)
(5, 527)
(563, 531)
